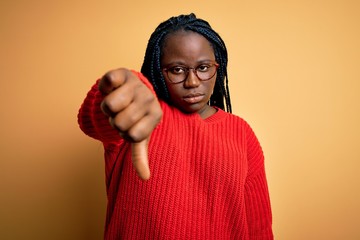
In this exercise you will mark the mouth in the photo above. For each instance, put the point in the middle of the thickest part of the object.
(194, 98)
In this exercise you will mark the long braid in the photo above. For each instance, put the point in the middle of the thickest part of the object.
(151, 67)
(221, 57)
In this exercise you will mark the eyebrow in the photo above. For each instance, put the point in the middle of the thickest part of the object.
(181, 63)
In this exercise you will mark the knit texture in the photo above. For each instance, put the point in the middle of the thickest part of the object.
(207, 178)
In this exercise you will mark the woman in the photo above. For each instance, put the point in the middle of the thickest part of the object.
(207, 167)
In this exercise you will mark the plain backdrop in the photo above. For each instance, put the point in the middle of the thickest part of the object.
(294, 76)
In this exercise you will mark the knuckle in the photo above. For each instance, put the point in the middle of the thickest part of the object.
(109, 77)
(119, 125)
(135, 135)
(106, 83)
(109, 104)
(116, 101)
(132, 119)
(149, 96)
(144, 93)
(105, 109)
(112, 79)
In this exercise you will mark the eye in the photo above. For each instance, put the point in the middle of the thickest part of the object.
(177, 70)
(203, 68)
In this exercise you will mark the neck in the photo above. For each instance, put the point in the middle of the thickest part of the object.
(207, 112)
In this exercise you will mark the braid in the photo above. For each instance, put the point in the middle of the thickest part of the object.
(151, 66)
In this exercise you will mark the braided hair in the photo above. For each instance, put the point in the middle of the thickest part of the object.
(151, 67)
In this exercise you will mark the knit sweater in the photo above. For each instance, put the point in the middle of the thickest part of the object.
(207, 177)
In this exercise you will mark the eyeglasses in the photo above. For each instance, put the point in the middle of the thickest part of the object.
(204, 72)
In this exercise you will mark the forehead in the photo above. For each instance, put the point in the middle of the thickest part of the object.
(184, 44)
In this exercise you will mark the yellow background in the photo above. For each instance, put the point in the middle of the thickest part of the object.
(294, 75)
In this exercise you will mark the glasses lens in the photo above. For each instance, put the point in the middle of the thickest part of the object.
(203, 72)
(177, 74)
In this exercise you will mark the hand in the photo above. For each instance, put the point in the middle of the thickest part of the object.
(133, 111)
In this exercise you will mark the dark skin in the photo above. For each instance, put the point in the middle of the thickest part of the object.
(186, 48)
(134, 111)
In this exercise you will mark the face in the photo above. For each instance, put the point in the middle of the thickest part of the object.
(189, 49)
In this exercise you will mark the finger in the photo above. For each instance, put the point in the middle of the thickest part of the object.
(117, 100)
(128, 117)
(139, 151)
(112, 80)
(143, 128)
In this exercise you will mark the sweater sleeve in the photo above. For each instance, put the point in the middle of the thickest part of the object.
(257, 199)
(93, 122)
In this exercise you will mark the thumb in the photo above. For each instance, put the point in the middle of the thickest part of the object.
(139, 155)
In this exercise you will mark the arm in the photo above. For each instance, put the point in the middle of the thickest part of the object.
(122, 105)
(257, 199)
(92, 121)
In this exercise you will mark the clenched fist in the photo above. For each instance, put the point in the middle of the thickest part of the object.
(133, 110)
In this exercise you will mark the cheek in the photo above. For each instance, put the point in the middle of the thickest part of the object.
(173, 91)
(211, 87)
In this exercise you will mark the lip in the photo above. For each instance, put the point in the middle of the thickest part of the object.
(194, 98)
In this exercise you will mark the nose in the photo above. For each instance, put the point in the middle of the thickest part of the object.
(192, 81)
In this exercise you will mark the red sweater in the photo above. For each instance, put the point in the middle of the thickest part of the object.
(207, 178)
